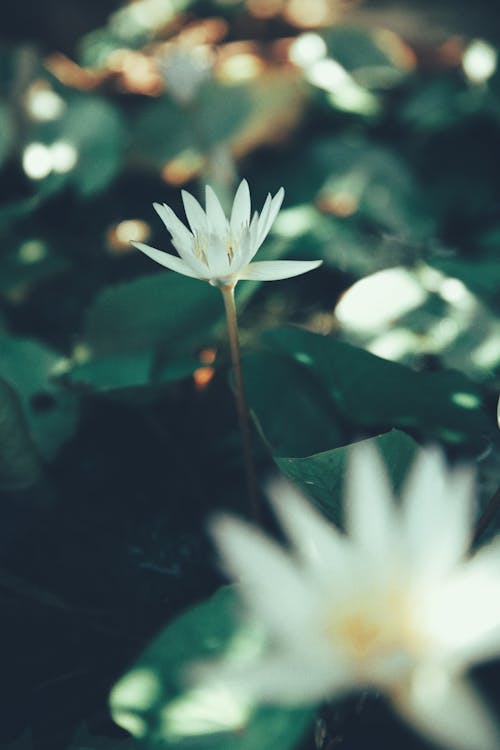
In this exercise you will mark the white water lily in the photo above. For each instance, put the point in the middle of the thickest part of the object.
(219, 250)
(393, 604)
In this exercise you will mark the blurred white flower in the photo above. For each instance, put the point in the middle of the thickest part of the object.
(219, 251)
(185, 70)
(392, 604)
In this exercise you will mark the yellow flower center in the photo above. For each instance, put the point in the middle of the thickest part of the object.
(376, 632)
(359, 635)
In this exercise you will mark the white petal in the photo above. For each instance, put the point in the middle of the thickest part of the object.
(321, 547)
(273, 270)
(462, 614)
(240, 214)
(262, 218)
(194, 213)
(449, 712)
(272, 586)
(437, 514)
(246, 247)
(217, 257)
(269, 213)
(173, 224)
(166, 260)
(216, 218)
(280, 680)
(370, 515)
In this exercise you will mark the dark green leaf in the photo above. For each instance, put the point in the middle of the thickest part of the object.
(294, 411)
(141, 314)
(321, 476)
(349, 386)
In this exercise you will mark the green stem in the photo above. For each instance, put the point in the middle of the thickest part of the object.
(241, 402)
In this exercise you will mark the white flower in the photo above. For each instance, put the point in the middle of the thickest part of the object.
(392, 604)
(219, 251)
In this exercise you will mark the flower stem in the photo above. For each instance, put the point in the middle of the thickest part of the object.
(241, 402)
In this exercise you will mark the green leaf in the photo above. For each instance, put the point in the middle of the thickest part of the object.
(152, 702)
(98, 133)
(6, 131)
(365, 54)
(165, 129)
(32, 262)
(108, 373)
(376, 180)
(351, 389)
(51, 412)
(91, 134)
(148, 330)
(322, 475)
(293, 410)
(19, 462)
(149, 311)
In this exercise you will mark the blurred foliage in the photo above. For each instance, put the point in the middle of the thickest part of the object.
(154, 700)
(117, 427)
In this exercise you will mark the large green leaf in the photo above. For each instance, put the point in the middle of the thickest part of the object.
(321, 476)
(351, 391)
(152, 700)
(156, 321)
(293, 411)
(146, 312)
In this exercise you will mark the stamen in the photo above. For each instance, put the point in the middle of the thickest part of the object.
(199, 250)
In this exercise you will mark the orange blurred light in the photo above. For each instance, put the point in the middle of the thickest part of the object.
(182, 168)
(338, 204)
(202, 377)
(204, 31)
(391, 44)
(68, 72)
(265, 8)
(207, 356)
(139, 74)
(119, 236)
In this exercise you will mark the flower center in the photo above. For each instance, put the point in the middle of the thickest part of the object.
(360, 636)
(377, 635)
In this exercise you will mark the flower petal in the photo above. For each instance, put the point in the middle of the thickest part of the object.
(173, 224)
(194, 213)
(273, 270)
(216, 218)
(272, 585)
(448, 712)
(462, 614)
(370, 514)
(437, 513)
(240, 213)
(321, 547)
(282, 679)
(217, 257)
(166, 260)
(269, 213)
